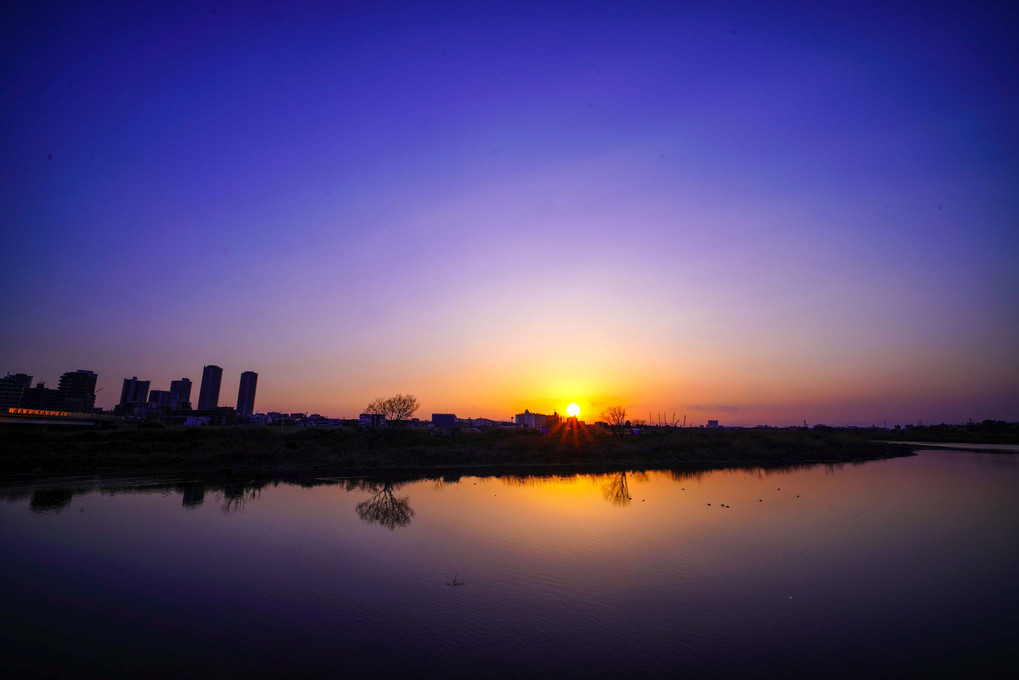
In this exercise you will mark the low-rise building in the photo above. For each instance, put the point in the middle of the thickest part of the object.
(444, 420)
(538, 421)
(371, 420)
(194, 421)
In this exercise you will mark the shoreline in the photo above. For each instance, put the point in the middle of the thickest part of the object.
(264, 454)
(959, 446)
(550, 468)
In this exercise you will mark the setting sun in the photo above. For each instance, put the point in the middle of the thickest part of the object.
(573, 410)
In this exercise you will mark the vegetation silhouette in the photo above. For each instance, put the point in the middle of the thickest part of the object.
(615, 418)
(570, 432)
(236, 496)
(280, 452)
(394, 410)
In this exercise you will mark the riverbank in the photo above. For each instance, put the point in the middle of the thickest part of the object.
(960, 446)
(269, 452)
(987, 432)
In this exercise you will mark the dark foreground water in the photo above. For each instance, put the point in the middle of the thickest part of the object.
(906, 567)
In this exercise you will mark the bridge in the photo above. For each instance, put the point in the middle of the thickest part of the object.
(31, 416)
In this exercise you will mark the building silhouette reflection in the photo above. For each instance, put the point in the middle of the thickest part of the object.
(193, 495)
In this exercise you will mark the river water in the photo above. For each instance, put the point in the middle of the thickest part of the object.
(902, 567)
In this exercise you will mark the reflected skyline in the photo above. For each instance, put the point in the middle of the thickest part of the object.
(382, 506)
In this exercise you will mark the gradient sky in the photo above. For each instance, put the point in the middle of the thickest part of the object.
(731, 211)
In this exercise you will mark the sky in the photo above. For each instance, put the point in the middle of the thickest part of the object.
(755, 213)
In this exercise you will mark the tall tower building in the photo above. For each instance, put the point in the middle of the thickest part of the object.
(78, 389)
(183, 389)
(134, 390)
(246, 393)
(208, 396)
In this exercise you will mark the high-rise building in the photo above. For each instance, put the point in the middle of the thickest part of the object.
(183, 389)
(78, 388)
(208, 396)
(12, 388)
(134, 391)
(43, 398)
(163, 399)
(246, 393)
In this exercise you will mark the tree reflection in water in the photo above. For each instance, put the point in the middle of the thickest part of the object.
(236, 496)
(617, 490)
(383, 507)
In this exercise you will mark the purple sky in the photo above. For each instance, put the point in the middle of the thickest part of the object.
(751, 214)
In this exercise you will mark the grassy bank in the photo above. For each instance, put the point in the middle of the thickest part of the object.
(268, 451)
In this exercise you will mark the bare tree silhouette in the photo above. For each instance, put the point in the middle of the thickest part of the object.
(615, 416)
(395, 408)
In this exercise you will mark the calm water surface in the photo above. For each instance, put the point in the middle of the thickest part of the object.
(906, 567)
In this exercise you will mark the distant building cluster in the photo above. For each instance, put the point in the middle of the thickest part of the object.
(76, 394)
(298, 419)
(174, 404)
(449, 423)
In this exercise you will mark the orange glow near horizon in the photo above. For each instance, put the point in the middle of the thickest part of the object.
(505, 371)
